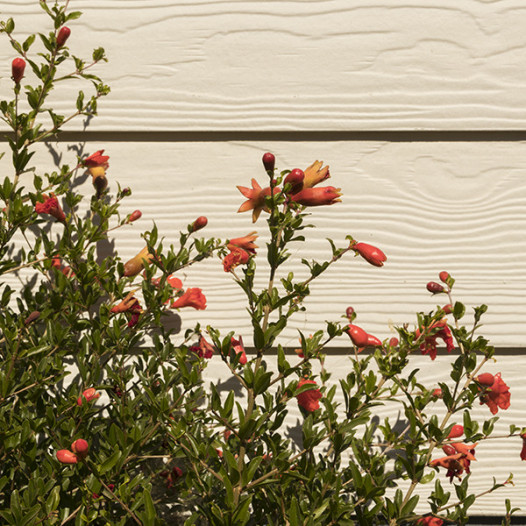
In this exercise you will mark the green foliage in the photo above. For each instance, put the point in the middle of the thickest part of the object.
(164, 448)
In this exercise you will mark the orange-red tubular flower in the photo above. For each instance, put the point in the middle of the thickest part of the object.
(523, 451)
(136, 264)
(50, 206)
(256, 199)
(497, 396)
(236, 257)
(245, 242)
(326, 195)
(309, 400)
(64, 456)
(371, 254)
(468, 450)
(358, 336)
(203, 349)
(80, 447)
(455, 465)
(97, 164)
(128, 303)
(486, 379)
(88, 395)
(193, 297)
(315, 174)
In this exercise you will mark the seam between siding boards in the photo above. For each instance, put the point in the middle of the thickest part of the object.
(292, 136)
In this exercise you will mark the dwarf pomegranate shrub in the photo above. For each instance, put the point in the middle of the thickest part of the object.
(96, 429)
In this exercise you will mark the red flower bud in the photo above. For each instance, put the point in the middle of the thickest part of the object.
(371, 254)
(32, 317)
(199, 224)
(448, 309)
(443, 276)
(65, 456)
(456, 431)
(136, 214)
(269, 161)
(349, 312)
(358, 336)
(434, 287)
(393, 342)
(295, 179)
(62, 36)
(437, 393)
(486, 379)
(448, 449)
(18, 67)
(80, 447)
(325, 195)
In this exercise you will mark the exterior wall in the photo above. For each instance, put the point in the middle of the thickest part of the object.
(199, 87)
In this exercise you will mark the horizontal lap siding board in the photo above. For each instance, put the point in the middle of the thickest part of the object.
(459, 207)
(495, 458)
(298, 65)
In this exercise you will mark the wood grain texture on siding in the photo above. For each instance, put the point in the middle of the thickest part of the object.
(496, 457)
(298, 65)
(459, 207)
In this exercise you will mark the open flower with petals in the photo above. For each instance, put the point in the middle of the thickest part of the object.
(309, 400)
(325, 195)
(245, 242)
(239, 348)
(497, 396)
(193, 297)
(315, 174)
(236, 257)
(96, 159)
(429, 346)
(256, 199)
(203, 349)
(455, 465)
(50, 206)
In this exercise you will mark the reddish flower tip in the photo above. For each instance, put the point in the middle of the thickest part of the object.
(371, 254)
(50, 206)
(18, 67)
(448, 309)
(269, 161)
(325, 195)
(62, 36)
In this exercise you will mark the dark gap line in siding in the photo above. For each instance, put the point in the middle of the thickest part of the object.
(292, 136)
(347, 351)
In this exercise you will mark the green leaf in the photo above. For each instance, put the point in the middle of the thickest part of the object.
(110, 462)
